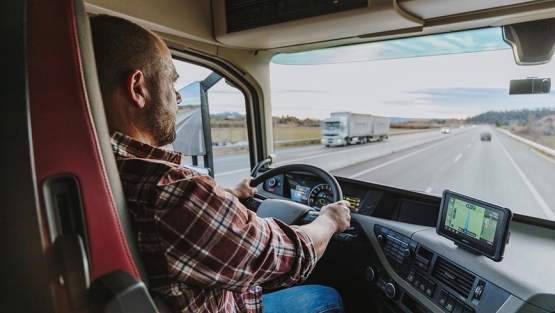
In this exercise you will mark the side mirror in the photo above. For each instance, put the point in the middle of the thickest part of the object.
(192, 127)
(188, 124)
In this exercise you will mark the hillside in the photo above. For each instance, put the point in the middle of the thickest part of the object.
(511, 118)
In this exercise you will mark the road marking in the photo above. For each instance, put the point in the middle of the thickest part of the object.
(457, 158)
(535, 193)
(429, 190)
(396, 160)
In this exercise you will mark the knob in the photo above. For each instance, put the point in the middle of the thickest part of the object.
(380, 238)
(272, 182)
(369, 274)
(390, 291)
(407, 252)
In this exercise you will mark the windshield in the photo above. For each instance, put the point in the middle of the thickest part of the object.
(450, 121)
(332, 125)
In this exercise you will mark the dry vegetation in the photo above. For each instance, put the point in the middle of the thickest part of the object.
(238, 133)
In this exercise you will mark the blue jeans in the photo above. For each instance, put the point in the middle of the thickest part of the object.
(303, 299)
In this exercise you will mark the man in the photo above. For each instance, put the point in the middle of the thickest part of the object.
(204, 251)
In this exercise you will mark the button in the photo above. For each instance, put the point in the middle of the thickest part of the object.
(430, 288)
(479, 290)
(443, 298)
(450, 305)
(459, 306)
(417, 279)
(410, 278)
(423, 284)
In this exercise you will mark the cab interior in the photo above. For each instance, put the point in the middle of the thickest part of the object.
(68, 242)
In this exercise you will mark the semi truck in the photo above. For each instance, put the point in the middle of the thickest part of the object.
(347, 128)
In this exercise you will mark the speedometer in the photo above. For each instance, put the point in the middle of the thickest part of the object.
(320, 196)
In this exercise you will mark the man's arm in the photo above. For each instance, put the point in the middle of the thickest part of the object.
(334, 218)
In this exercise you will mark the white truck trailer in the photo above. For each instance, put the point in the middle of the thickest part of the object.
(346, 128)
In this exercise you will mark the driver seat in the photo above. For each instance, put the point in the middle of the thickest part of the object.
(88, 231)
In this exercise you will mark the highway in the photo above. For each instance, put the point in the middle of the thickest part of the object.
(503, 171)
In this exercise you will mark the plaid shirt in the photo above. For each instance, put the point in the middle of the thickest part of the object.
(204, 251)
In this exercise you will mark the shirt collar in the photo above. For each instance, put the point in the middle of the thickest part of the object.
(127, 147)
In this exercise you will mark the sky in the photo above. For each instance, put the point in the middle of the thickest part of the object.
(425, 77)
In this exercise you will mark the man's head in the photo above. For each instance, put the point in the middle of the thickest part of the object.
(136, 76)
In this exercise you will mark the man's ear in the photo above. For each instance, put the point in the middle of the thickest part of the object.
(136, 88)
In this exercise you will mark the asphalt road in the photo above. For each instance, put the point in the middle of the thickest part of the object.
(502, 171)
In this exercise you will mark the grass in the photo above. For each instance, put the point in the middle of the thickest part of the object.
(239, 134)
(548, 141)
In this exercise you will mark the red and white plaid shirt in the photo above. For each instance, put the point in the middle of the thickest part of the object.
(204, 251)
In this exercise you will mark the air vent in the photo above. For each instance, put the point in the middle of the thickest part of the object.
(453, 276)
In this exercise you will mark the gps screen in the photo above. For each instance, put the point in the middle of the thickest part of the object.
(473, 224)
(471, 220)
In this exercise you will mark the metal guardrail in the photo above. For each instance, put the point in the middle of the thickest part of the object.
(535, 145)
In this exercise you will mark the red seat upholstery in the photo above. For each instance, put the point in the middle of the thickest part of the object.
(69, 131)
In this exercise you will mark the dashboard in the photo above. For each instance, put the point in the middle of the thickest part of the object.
(395, 261)
(312, 191)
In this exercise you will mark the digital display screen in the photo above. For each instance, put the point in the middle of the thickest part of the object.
(300, 194)
(476, 225)
(472, 221)
(354, 203)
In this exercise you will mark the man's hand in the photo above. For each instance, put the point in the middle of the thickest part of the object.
(243, 189)
(339, 213)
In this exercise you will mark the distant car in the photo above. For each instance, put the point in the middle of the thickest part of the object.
(485, 136)
(446, 130)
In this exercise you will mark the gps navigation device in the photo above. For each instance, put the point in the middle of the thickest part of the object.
(476, 225)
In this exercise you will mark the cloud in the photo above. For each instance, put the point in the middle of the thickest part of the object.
(471, 101)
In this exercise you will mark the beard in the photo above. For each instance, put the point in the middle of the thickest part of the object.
(159, 120)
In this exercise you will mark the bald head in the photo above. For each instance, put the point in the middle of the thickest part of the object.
(136, 76)
(121, 46)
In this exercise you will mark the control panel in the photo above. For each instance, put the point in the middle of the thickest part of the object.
(451, 287)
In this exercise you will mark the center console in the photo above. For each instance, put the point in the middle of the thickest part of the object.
(449, 286)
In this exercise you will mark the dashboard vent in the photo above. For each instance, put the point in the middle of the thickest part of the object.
(453, 276)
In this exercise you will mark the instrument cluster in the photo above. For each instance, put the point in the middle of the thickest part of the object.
(311, 190)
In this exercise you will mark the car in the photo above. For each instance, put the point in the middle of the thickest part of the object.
(485, 136)
(446, 130)
(265, 73)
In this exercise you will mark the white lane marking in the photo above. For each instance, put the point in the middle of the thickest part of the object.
(429, 189)
(535, 193)
(457, 158)
(396, 160)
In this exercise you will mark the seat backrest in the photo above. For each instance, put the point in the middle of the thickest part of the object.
(81, 198)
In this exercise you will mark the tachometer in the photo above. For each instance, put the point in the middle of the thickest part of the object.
(320, 196)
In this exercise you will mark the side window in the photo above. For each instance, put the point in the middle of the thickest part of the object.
(211, 123)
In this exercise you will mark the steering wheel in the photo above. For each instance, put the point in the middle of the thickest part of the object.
(288, 211)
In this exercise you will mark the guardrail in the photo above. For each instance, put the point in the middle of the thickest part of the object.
(548, 151)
